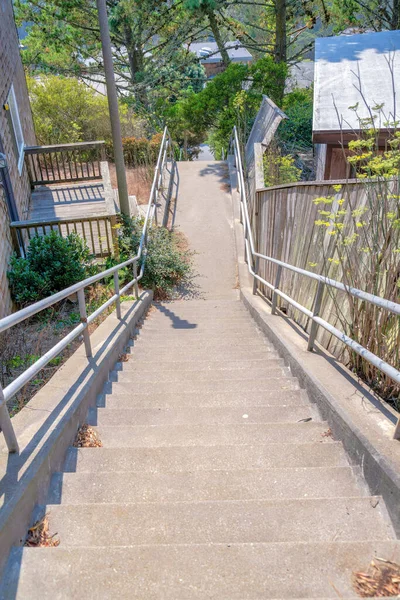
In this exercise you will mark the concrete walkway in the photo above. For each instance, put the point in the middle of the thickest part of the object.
(204, 215)
(217, 477)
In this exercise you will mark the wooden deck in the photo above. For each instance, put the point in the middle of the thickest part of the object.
(68, 201)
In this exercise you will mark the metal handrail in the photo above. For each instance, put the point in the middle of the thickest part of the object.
(252, 259)
(78, 288)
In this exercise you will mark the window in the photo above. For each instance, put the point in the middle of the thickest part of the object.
(16, 129)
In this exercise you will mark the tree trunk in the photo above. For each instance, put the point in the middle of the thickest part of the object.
(136, 66)
(217, 36)
(280, 35)
(280, 41)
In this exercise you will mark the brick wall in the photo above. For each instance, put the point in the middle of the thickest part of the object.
(12, 73)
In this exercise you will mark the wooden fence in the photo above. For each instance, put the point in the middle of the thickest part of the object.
(64, 162)
(283, 223)
(99, 232)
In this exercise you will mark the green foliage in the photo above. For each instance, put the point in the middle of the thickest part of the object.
(231, 98)
(166, 263)
(279, 169)
(52, 263)
(365, 14)
(137, 151)
(295, 132)
(64, 38)
(66, 110)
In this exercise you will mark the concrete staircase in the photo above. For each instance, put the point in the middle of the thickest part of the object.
(216, 479)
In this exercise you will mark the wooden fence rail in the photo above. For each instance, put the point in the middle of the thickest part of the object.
(64, 162)
(99, 232)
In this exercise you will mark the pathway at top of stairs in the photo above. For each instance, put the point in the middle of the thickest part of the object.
(217, 478)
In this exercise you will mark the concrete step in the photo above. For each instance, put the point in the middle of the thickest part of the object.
(193, 366)
(257, 521)
(258, 484)
(201, 415)
(124, 397)
(202, 387)
(137, 376)
(175, 341)
(209, 329)
(209, 305)
(181, 572)
(247, 434)
(194, 320)
(201, 354)
(205, 458)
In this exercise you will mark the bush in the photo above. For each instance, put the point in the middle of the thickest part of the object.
(278, 168)
(52, 263)
(167, 264)
(137, 151)
(66, 110)
(295, 132)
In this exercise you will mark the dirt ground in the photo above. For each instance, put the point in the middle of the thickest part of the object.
(139, 180)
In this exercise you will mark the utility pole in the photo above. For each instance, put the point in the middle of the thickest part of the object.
(113, 107)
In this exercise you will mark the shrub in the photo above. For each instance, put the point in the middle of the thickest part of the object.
(364, 251)
(279, 169)
(137, 151)
(295, 132)
(52, 263)
(67, 110)
(166, 263)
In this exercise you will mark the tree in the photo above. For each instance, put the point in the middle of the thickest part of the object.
(374, 14)
(66, 110)
(210, 10)
(231, 98)
(64, 38)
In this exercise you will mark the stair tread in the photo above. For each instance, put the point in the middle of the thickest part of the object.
(234, 571)
(122, 396)
(267, 384)
(196, 415)
(212, 434)
(230, 521)
(199, 458)
(188, 486)
(200, 365)
(212, 354)
(175, 376)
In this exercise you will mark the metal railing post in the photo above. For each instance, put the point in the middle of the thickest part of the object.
(6, 425)
(314, 325)
(255, 281)
(118, 300)
(135, 278)
(83, 314)
(274, 294)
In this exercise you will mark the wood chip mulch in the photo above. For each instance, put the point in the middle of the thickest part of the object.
(39, 535)
(382, 579)
(87, 437)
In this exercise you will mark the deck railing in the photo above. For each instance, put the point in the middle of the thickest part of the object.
(99, 232)
(136, 263)
(64, 162)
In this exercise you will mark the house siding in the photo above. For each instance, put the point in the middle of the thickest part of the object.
(12, 73)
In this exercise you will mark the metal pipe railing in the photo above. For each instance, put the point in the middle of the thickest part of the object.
(78, 288)
(253, 260)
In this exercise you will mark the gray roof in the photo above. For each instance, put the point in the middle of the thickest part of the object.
(341, 63)
(236, 51)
